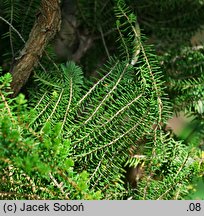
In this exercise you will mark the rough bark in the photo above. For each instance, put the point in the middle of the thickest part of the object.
(45, 27)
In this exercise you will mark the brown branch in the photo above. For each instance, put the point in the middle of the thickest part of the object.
(45, 27)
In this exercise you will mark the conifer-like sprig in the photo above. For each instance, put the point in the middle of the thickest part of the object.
(71, 126)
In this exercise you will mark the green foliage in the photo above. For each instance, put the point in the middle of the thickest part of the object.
(96, 15)
(197, 192)
(35, 165)
(171, 22)
(73, 138)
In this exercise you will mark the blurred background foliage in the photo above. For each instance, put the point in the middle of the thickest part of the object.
(149, 54)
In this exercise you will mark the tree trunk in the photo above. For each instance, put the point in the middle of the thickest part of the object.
(45, 27)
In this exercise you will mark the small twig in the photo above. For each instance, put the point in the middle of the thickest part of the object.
(59, 186)
(104, 42)
(11, 26)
